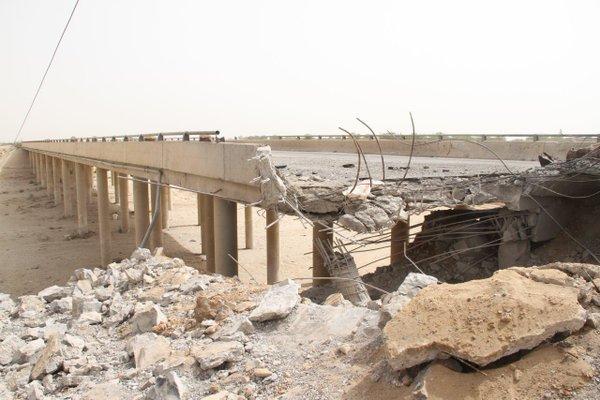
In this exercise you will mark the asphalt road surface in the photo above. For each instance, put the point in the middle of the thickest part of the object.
(331, 165)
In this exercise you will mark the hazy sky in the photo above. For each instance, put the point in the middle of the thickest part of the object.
(252, 67)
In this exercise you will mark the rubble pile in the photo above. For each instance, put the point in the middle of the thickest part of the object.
(150, 327)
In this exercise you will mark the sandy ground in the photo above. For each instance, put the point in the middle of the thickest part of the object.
(35, 254)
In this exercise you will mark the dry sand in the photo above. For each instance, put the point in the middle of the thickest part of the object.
(35, 254)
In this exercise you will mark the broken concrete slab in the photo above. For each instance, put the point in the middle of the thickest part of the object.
(168, 387)
(480, 321)
(392, 303)
(526, 379)
(212, 355)
(146, 317)
(278, 302)
(54, 293)
(147, 349)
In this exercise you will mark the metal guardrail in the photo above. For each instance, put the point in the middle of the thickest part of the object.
(437, 136)
(167, 136)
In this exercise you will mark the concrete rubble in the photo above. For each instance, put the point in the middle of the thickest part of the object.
(153, 328)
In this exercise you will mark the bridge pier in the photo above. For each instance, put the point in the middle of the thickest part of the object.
(272, 246)
(322, 233)
(225, 237)
(248, 227)
(56, 172)
(398, 237)
(42, 161)
(49, 178)
(156, 239)
(123, 201)
(199, 200)
(164, 206)
(66, 188)
(115, 184)
(103, 215)
(82, 202)
(141, 208)
(207, 231)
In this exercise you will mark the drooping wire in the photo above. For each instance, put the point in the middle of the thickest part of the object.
(37, 92)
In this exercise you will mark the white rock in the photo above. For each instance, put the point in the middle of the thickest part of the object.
(196, 283)
(278, 302)
(133, 275)
(140, 254)
(56, 328)
(35, 391)
(222, 395)
(45, 363)
(90, 318)
(169, 387)
(61, 306)
(28, 351)
(9, 349)
(74, 341)
(104, 293)
(214, 354)
(54, 293)
(29, 304)
(392, 303)
(6, 303)
(147, 317)
(147, 349)
(84, 305)
(84, 286)
(84, 274)
(17, 378)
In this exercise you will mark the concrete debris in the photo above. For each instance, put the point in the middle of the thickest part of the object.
(480, 321)
(147, 349)
(169, 387)
(392, 303)
(278, 302)
(152, 328)
(146, 317)
(215, 354)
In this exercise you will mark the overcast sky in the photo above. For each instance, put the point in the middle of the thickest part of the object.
(283, 67)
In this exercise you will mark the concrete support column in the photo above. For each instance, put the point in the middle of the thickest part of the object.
(164, 206)
(103, 215)
(66, 188)
(199, 200)
(36, 169)
(323, 233)
(115, 184)
(399, 236)
(169, 202)
(90, 182)
(208, 231)
(43, 170)
(123, 184)
(272, 247)
(225, 237)
(49, 177)
(81, 193)
(249, 227)
(141, 208)
(56, 173)
(156, 239)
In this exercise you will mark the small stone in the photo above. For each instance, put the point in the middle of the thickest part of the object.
(90, 318)
(593, 320)
(222, 395)
(61, 306)
(278, 302)
(214, 354)
(146, 318)
(148, 348)
(41, 366)
(84, 305)
(261, 372)
(169, 387)
(84, 286)
(104, 293)
(9, 349)
(344, 349)
(334, 299)
(54, 293)
(34, 390)
(140, 254)
(28, 351)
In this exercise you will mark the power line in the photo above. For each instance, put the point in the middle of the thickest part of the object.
(46, 71)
